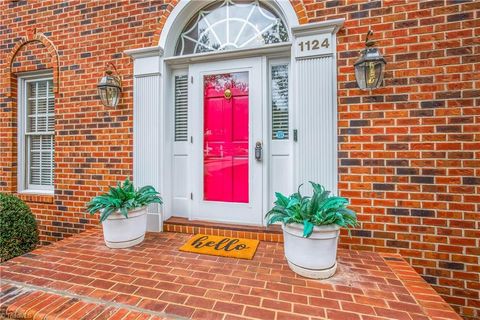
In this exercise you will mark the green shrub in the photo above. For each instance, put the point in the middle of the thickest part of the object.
(18, 228)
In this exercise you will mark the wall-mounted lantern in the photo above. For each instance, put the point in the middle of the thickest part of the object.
(110, 88)
(370, 67)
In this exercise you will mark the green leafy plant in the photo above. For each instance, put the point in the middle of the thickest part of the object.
(18, 228)
(123, 198)
(318, 210)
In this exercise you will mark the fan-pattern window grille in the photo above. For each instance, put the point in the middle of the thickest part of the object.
(39, 134)
(181, 108)
(231, 25)
(279, 80)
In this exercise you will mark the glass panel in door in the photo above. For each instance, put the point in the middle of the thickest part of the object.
(226, 138)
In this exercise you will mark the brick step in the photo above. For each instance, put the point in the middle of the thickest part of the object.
(23, 301)
(183, 225)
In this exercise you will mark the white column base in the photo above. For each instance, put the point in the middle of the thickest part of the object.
(313, 274)
(154, 222)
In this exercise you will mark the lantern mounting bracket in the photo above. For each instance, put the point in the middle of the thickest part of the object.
(369, 43)
(111, 70)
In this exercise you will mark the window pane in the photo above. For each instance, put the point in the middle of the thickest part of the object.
(231, 25)
(181, 108)
(35, 177)
(279, 80)
(40, 107)
(50, 88)
(41, 159)
(46, 169)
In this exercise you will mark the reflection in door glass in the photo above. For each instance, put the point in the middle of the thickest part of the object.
(226, 138)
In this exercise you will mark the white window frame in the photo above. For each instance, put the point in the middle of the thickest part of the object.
(22, 152)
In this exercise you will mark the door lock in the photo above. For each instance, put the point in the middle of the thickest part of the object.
(258, 151)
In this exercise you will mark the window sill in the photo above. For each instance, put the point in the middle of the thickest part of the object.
(36, 196)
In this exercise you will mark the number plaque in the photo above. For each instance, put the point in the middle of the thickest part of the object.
(313, 45)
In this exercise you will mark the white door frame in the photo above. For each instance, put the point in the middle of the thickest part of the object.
(251, 213)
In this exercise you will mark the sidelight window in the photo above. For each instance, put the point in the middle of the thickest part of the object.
(181, 107)
(279, 101)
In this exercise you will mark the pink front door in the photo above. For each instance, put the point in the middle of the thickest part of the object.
(225, 142)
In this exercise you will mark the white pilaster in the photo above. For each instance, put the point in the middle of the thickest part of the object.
(315, 107)
(147, 126)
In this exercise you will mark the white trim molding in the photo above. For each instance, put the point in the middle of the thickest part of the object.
(146, 61)
(271, 49)
(145, 52)
(331, 26)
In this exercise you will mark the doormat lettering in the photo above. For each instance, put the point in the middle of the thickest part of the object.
(221, 246)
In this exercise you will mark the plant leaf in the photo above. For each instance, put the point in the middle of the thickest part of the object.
(281, 199)
(307, 228)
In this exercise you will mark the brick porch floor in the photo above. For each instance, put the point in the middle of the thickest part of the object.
(79, 278)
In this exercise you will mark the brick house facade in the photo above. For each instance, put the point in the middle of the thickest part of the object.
(408, 153)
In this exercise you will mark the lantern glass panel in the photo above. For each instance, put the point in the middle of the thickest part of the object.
(360, 75)
(112, 95)
(102, 94)
(373, 74)
(109, 91)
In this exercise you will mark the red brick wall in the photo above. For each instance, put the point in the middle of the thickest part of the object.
(409, 152)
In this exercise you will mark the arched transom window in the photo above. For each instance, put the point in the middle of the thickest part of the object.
(231, 24)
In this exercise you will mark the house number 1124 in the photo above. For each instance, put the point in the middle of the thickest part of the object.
(313, 45)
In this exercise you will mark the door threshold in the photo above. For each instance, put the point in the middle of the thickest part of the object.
(183, 225)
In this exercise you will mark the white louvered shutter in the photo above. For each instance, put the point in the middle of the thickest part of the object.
(39, 133)
(181, 108)
(279, 81)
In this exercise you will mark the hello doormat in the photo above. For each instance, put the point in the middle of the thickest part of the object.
(221, 246)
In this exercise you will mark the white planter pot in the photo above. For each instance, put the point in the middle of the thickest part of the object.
(121, 232)
(315, 256)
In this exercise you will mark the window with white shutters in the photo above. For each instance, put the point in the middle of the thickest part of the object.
(38, 134)
(181, 108)
(279, 102)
